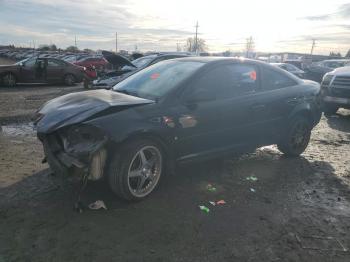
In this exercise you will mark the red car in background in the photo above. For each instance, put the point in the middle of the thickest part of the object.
(96, 62)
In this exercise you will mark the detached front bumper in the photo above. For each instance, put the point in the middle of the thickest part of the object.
(91, 163)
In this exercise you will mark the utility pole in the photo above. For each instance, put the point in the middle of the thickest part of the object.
(249, 45)
(196, 39)
(313, 45)
(75, 42)
(116, 42)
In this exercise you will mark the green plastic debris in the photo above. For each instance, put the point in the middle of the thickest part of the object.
(204, 209)
(252, 178)
(211, 188)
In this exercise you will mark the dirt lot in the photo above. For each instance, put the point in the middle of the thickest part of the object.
(297, 210)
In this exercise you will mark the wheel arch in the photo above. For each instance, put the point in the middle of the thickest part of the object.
(115, 146)
(305, 111)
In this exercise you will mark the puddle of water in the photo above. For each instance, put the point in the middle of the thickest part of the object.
(26, 129)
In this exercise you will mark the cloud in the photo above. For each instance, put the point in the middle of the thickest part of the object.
(317, 17)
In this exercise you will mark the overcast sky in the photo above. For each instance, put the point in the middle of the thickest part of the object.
(282, 25)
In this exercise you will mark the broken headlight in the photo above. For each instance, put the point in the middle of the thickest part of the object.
(82, 140)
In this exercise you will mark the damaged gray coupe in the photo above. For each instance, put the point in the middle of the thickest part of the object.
(173, 112)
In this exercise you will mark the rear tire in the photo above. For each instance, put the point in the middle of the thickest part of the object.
(330, 110)
(133, 175)
(297, 138)
(69, 80)
(9, 80)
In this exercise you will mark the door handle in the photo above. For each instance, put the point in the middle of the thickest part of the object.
(258, 107)
(293, 100)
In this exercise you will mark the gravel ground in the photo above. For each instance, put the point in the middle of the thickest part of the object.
(297, 210)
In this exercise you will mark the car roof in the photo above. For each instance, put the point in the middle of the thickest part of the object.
(336, 60)
(216, 59)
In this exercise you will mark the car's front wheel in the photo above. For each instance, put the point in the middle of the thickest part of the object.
(297, 137)
(69, 79)
(134, 172)
(9, 80)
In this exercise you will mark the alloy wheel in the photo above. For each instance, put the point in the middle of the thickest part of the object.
(144, 171)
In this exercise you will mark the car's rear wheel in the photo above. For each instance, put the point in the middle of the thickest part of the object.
(330, 110)
(9, 80)
(297, 137)
(69, 79)
(135, 172)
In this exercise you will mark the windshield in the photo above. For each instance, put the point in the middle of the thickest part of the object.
(291, 67)
(143, 61)
(156, 80)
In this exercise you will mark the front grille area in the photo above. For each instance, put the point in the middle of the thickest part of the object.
(341, 86)
(343, 81)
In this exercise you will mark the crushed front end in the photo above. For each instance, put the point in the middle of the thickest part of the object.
(78, 149)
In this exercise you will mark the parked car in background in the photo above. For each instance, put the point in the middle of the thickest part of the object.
(173, 112)
(128, 67)
(335, 90)
(98, 62)
(317, 70)
(41, 70)
(291, 69)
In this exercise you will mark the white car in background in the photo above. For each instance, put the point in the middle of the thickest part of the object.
(290, 68)
(335, 90)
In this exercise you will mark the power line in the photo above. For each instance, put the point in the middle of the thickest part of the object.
(116, 42)
(196, 39)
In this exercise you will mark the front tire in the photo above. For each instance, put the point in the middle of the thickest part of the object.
(69, 80)
(297, 138)
(135, 171)
(9, 80)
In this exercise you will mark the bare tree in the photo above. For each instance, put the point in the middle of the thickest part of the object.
(191, 45)
(348, 54)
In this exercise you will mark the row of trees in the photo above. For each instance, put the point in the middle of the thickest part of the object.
(53, 47)
(191, 46)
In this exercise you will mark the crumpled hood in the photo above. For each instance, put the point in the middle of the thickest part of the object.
(76, 107)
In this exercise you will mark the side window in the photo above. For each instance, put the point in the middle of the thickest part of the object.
(227, 81)
(30, 62)
(243, 79)
(53, 63)
(272, 79)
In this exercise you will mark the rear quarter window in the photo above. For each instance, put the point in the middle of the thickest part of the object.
(272, 79)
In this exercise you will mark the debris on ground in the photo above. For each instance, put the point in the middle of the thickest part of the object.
(211, 188)
(212, 203)
(252, 178)
(252, 190)
(98, 204)
(323, 243)
(221, 202)
(204, 209)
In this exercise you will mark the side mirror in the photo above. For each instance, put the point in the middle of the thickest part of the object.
(200, 95)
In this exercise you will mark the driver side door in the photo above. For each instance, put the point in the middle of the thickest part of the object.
(27, 71)
(199, 113)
